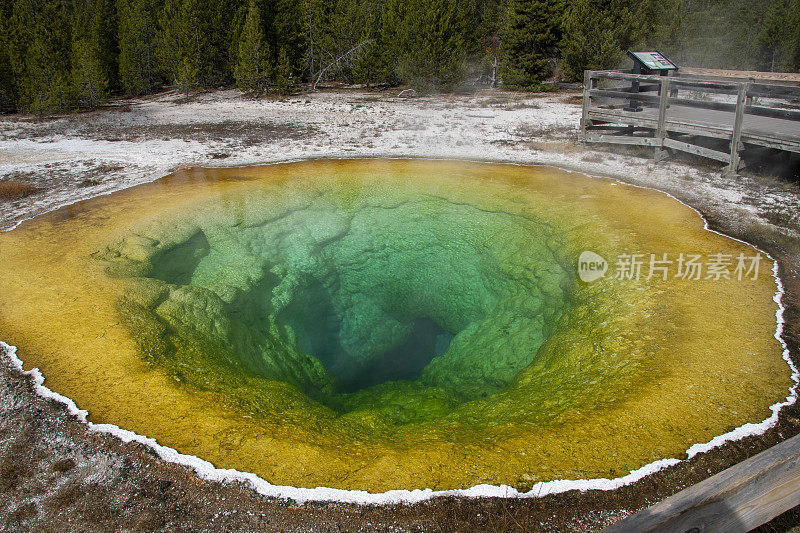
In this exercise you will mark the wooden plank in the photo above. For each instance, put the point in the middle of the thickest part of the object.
(716, 87)
(736, 139)
(621, 118)
(625, 95)
(620, 139)
(777, 144)
(773, 91)
(643, 88)
(587, 90)
(736, 500)
(661, 131)
(613, 75)
(703, 104)
(740, 123)
(711, 87)
(717, 84)
(759, 110)
(672, 124)
(774, 143)
(718, 124)
(697, 150)
(738, 75)
(763, 111)
(788, 114)
(628, 129)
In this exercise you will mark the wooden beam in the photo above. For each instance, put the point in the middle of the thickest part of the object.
(620, 139)
(624, 95)
(716, 87)
(736, 139)
(661, 131)
(627, 129)
(622, 117)
(736, 500)
(762, 80)
(769, 90)
(770, 141)
(719, 131)
(643, 88)
(741, 123)
(614, 75)
(706, 130)
(763, 111)
(697, 150)
(587, 90)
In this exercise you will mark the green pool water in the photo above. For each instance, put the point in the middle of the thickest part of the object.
(403, 303)
(378, 325)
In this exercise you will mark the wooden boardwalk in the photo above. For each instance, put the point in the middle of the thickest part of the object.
(736, 500)
(677, 113)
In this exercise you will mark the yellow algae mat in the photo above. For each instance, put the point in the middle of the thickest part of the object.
(388, 324)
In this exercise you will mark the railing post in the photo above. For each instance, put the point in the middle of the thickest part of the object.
(673, 93)
(736, 138)
(587, 87)
(661, 132)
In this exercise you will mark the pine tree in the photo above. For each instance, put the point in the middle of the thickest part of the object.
(368, 20)
(193, 42)
(285, 18)
(90, 83)
(780, 36)
(315, 26)
(430, 39)
(340, 35)
(252, 69)
(491, 18)
(45, 83)
(194, 70)
(169, 45)
(282, 78)
(218, 25)
(793, 52)
(391, 38)
(104, 24)
(669, 32)
(8, 85)
(597, 33)
(529, 40)
(94, 59)
(137, 45)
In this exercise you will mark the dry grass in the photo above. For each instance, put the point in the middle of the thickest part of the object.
(11, 190)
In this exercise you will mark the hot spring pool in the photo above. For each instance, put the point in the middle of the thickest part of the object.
(379, 325)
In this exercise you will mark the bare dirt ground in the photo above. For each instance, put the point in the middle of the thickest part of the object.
(57, 475)
(791, 77)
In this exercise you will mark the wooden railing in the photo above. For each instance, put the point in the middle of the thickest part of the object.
(736, 500)
(673, 112)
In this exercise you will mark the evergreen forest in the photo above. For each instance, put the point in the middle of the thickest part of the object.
(60, 54)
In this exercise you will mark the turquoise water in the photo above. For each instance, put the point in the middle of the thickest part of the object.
(339, 299)
(377, 325)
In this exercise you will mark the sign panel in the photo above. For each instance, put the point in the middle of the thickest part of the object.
(653, 60)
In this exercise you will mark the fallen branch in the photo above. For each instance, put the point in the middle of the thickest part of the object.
(337, 60)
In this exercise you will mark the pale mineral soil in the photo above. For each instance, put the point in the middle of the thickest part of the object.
(56, 475)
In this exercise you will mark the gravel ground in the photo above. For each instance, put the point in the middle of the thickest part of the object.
(57, 475)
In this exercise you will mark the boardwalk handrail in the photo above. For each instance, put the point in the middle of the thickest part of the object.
(720, 106)
(736, 500)
(605, 91)
(755, 88)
